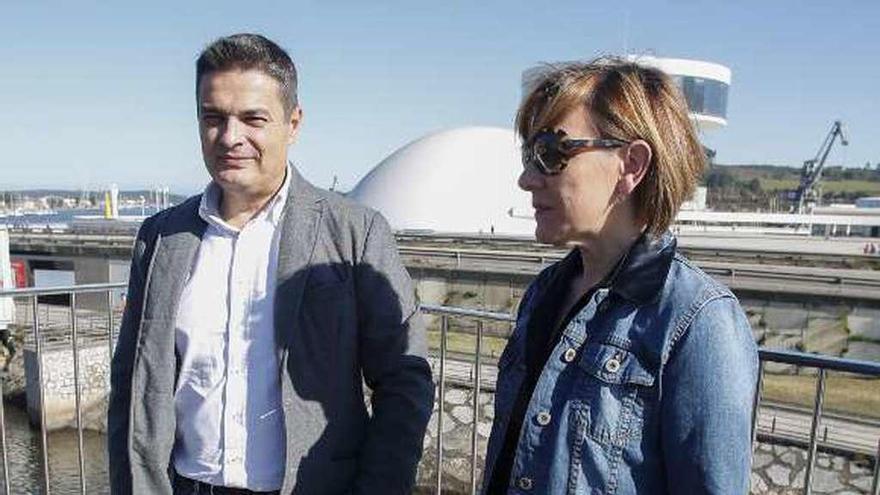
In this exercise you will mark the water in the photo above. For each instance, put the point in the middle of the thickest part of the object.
(26, 462)
(64, 217)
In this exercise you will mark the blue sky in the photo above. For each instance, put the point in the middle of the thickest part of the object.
(94, 93)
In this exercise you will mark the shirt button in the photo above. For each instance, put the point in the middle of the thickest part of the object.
(569, 355)
(612, 365)
(543, 418)
(524, 483)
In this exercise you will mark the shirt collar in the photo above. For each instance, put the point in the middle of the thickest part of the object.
(209, 206)
(641, 273)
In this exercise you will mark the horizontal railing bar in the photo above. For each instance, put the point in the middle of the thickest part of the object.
(817, 361)
(63, 289)
(472, 313)
(772, 355)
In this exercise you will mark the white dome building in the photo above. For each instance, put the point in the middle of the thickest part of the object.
(456, 181)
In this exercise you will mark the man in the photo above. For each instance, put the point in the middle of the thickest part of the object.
(256, 309)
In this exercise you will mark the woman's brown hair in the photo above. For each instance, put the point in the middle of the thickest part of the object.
(626, 101)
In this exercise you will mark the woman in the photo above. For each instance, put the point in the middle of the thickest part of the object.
(630, 370)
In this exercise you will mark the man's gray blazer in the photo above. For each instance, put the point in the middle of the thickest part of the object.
(345, 310)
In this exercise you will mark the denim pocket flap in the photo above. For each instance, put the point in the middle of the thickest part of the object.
(614, 365)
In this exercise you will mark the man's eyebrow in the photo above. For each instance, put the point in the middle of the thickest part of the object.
(256, 111)
(203, 108)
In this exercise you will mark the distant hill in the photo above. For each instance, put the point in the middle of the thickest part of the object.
(765, 187)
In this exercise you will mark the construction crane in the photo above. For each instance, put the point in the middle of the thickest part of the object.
(811, 173)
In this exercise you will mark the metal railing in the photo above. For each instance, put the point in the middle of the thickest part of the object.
(34, 294)
(823, 364)
(476, 378)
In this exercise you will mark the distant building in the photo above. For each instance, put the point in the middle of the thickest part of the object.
(705, 85)
(870, 202)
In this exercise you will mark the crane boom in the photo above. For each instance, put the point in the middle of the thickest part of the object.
(811, 173)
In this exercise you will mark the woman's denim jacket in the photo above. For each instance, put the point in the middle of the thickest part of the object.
(649, 390)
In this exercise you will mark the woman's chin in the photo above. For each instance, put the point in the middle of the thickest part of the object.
(549, 235)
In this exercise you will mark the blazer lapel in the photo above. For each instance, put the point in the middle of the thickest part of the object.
(178, 243)
(180, 236)
(299, 234)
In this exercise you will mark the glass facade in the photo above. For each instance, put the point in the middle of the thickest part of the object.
(704, 96)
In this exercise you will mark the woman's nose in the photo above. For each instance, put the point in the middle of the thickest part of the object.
(530, 179)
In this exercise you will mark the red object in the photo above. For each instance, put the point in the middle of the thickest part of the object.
(19, 273)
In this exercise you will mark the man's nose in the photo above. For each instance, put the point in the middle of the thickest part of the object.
(231, 133)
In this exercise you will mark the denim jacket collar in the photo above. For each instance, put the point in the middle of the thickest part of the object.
(639, 275)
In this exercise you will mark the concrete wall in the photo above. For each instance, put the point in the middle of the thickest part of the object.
(58, 380)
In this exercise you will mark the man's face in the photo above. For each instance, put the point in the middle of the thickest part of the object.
(245, 131)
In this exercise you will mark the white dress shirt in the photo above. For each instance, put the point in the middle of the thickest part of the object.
(230, 425)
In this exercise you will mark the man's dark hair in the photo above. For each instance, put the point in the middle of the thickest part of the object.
(246, 51)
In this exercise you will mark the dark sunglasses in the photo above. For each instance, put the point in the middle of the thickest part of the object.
(549, 150)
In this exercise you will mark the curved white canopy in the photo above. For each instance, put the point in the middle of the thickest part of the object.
(458, 180)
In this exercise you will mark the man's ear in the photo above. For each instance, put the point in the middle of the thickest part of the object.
(636, 160)
(294, 122)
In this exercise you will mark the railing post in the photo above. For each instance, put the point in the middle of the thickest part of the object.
(814, 430)
(444, 326)
(759, 388)
(3, 445)
(478, 363)
(875, 488)
(109, 327)
(77, 394)
(39, 352)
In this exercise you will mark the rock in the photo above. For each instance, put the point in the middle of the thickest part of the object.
(761, 459)
(838, 463)
(758, 485)
(448, 424)
(864, 322)
(865, 351)
(457, 444)
(860, 469)
(863, 483)
(464, 414)
(484, 429)
(489, 411)
(779, 475)
(826, 481)
(790, 458)
(456, 396)
(823, 461)
(799, 478)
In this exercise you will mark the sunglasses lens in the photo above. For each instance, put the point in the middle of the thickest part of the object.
(545, 152)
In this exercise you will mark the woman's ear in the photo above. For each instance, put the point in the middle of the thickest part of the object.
(636, 160)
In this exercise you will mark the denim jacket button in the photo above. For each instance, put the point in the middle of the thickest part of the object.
(612, 365)
(524, 483)
(569, 355)
(543, 418)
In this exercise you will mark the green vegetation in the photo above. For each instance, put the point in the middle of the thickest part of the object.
(765, 187)
(843, 394)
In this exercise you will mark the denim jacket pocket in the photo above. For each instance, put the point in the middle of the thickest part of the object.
(607, 390)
